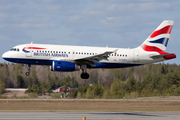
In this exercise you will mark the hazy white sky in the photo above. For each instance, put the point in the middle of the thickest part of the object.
(116, 23)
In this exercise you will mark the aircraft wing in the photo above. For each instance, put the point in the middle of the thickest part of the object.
(90, 60)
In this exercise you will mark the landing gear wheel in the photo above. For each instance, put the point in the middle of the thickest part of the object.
(27, 73)
(84, 75)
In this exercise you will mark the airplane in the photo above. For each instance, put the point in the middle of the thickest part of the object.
(66, 58)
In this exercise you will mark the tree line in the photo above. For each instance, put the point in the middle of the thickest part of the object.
(141, 81)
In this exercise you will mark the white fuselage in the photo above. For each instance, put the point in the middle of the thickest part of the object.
(42, 54)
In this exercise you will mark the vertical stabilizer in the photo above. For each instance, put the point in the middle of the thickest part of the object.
(158, 40)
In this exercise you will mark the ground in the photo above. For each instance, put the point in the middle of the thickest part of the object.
(90, 105)
(160, 104)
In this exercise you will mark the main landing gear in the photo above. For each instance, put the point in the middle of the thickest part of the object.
(28, 72)
(84, 74)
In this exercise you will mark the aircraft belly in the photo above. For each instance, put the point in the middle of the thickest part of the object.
(113, 65)
(30, 61)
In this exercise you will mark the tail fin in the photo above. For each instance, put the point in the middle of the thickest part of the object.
(158, 40)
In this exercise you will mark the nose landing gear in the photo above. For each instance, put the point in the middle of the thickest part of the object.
(28, 72)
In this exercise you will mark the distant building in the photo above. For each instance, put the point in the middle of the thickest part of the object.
(60, 89)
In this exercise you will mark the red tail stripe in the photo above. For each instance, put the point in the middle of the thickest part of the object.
(151, 48)
(164, 30)
(33, 48)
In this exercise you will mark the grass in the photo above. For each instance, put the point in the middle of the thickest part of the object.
(109, 106)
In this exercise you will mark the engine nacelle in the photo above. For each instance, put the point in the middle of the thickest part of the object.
(64, 66)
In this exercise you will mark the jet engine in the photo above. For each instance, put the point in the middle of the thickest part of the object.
(64, 66)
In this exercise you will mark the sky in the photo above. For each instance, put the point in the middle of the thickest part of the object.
(116, 23)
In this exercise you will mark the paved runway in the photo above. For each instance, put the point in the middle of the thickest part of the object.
(88, 115)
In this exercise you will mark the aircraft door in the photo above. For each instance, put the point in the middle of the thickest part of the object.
(136, 56)
(28, 50)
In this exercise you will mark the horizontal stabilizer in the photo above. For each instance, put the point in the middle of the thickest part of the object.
(165, 56)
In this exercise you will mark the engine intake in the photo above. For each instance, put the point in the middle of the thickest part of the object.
(64, 66)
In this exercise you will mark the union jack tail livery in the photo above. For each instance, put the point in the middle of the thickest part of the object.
(158, 40)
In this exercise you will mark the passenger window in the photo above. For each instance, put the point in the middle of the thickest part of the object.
(18, 50)
(85, 53)
(64, 52)
(69, 52)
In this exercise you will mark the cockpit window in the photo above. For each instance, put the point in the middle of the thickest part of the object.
(15, 49)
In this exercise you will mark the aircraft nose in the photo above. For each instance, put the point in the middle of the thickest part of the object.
(5, 55)
(9, 57)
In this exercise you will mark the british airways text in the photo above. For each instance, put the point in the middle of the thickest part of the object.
(50, 54)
